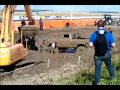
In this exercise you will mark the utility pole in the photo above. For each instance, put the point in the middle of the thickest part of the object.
(119, 12)
(71, 12)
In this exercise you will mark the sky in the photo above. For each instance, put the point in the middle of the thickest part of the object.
(74, 8)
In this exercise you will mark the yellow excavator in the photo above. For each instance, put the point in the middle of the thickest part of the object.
(11, 52)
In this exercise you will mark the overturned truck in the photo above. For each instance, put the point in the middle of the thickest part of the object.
(63, 39)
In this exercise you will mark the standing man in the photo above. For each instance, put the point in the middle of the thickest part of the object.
(41, 24)
(23, 22)
(102, 41)
(67, 24)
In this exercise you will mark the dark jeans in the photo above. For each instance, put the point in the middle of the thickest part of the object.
(41, 28)
(98, 62)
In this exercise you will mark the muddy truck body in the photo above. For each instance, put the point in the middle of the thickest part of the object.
(63, 39)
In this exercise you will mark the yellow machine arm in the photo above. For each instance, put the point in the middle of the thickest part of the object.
(11, 52)
(7, 33)
(29, 14)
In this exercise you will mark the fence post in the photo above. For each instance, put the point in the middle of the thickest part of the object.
(48, 64)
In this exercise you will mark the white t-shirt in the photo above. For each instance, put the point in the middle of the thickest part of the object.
(53, 45)
(101, 31)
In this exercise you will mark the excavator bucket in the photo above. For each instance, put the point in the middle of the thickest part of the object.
(30, 30)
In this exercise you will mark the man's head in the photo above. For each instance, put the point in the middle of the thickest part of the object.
(101, 23)
(40, 18)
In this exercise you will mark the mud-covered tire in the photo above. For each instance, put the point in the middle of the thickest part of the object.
(80, 48)
(87, 45)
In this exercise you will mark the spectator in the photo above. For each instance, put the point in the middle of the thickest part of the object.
(95, 23)
(102, 41)
(23, 22)
(41, 24)
(67, 24)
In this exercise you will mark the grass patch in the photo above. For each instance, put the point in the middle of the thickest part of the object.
(86, 77)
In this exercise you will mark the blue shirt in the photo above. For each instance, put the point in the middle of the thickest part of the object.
(109, 38)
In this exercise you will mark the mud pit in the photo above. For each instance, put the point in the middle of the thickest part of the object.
(58, 65)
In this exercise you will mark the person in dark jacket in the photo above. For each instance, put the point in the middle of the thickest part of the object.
(67, 24)
(41, 24)
(23, 22)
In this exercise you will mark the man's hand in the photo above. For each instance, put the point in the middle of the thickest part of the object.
(90, 44)
(113, 45)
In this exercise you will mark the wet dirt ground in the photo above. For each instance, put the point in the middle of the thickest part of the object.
(58, 65)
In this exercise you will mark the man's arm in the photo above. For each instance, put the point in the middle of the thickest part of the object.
(92, 39)
(112, 41)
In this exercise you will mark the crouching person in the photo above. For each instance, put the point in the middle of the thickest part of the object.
(53, 47)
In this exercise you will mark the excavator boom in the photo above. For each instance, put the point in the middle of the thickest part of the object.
(29, 14)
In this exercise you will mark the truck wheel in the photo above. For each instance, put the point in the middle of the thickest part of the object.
(86, 45)
(80, 48)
